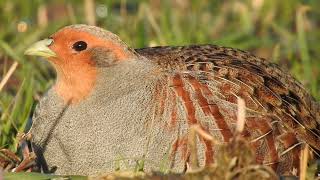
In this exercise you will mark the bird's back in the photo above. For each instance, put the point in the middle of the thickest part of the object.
(201, 85)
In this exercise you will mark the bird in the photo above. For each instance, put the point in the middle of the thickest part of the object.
(113, 105)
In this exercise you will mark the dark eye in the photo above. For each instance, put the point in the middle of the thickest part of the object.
(79, 46)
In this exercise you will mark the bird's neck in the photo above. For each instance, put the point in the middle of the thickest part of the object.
(74, 83)
(124, 78)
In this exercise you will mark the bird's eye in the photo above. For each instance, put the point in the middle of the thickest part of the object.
(79, 46)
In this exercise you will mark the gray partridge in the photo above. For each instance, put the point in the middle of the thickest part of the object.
(112, 105)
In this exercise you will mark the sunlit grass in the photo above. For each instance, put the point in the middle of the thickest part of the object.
(286, 32)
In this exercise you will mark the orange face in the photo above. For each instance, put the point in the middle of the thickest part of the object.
(72, 45)
(74, 54)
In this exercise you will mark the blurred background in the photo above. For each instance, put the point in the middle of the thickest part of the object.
(286, 32)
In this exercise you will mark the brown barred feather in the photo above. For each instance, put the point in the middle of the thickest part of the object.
(208, 79)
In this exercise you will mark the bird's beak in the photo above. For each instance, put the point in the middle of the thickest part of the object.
(41, 48)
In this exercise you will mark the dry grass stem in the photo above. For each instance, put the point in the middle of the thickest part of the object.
(241, 117)
(90, 12)
(204, 134)
(153, 23)
(304, 162)
(123, 8)
(42, 16)
(26, 163)
(192, 142)
(8, 75)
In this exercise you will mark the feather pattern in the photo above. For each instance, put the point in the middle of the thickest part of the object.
(206, 80)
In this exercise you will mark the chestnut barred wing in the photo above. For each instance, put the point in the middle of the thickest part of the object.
(206, 81)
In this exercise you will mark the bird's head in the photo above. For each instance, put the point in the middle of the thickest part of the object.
(77, 52)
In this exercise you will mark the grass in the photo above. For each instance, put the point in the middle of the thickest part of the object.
(286, 32)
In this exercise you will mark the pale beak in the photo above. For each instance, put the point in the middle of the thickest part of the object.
(41, 48)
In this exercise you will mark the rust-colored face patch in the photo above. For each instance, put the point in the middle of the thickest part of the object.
(75, 68)
(66, 38)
